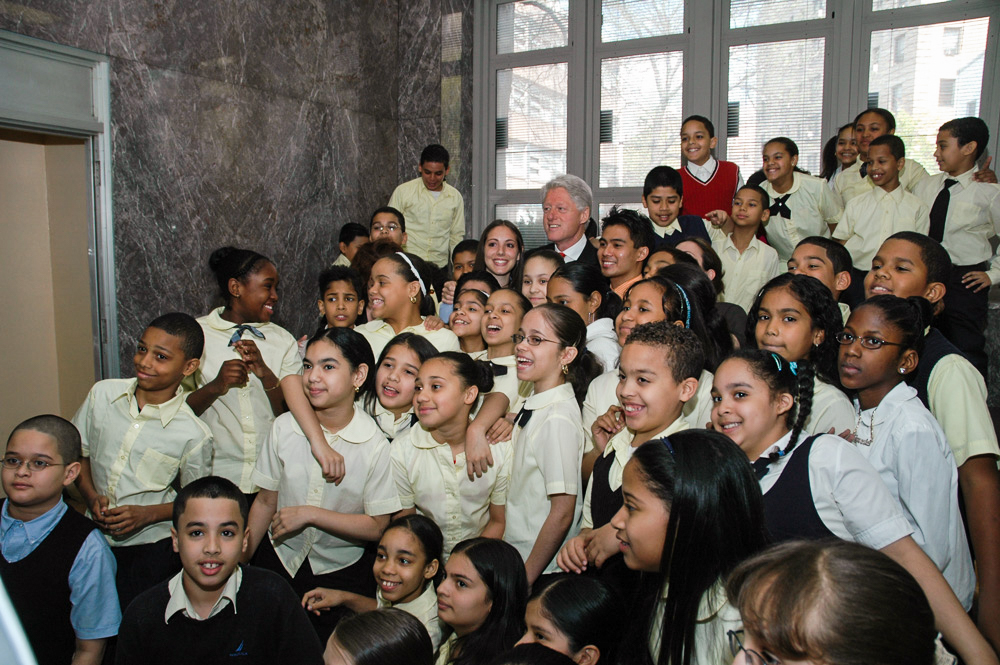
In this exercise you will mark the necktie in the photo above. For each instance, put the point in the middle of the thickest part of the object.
(760, 467)
(522, 417)
(240, 329)
(498, 370)
(779, 209)
(864, 169)
(939, 211)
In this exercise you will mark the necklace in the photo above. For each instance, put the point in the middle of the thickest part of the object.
(871, 429)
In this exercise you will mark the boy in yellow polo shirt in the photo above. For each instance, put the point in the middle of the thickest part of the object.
(139, 437)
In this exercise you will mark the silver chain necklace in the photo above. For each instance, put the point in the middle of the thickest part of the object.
(871, 428)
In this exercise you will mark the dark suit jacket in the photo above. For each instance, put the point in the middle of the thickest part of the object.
(589, 254)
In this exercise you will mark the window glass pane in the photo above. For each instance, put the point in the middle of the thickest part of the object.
(934, 74)
(640, 116)
(531, 125)
(879, 5)
(770, 98)
(528, 219)
(530, 25)
(747, 13)
(635, 19)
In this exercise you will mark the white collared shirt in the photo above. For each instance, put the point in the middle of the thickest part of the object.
(849, 184)
(573, 252)
(956, 395)
(435, 221)
(548, 454)
(379, 333)
(705, 171)
(135, 455)
(429, 479)
(874, 216)
(602, 341)
(744, 273)
(286, 465)
(830, 409)
(716, 617)
(911, 454)
(814, 207)
(179, 601)
(424, 607)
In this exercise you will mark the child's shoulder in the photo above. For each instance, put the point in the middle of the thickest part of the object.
(268, 586)
(109, 389)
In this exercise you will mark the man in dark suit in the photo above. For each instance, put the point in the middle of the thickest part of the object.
(566, 203)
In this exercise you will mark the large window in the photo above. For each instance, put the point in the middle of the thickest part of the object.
(599, 88)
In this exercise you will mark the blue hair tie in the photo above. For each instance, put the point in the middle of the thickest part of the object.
(669, 446)
(794, 367)
(687, 305)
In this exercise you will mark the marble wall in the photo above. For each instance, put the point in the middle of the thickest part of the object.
(259, 123)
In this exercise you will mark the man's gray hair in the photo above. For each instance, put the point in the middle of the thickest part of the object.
(578, 190)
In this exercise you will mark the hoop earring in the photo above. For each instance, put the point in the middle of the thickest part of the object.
(565, 369)
(357, 389)
(413, 299)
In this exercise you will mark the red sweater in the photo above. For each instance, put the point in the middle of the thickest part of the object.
(700, 198)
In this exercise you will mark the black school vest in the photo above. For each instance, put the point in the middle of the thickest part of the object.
(38, 586)
(604, 503)
(691, 226)
(789, 510)
(936, 347)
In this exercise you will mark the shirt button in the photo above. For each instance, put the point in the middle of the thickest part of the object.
(136, 426)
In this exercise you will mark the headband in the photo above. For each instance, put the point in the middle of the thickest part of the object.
(687, 305)
(423, 289)
(666, 442)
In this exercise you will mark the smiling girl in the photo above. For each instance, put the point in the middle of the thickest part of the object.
(501, 252)
(391, 402)
(538, 269)
(466, 321)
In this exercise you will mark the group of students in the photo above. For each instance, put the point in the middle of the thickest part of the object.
(600, 457)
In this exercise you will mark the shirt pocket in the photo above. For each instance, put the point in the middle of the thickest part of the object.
(156, 471)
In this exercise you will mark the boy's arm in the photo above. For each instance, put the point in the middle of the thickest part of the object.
(349, 526)
(322, 598)
(497, 523)
(261, 512)
(979, 482)
(478, 457)
(96, 503)
(88, 652)
(949, 615)
(123, 520)
(232, 373)
(458, 225)
(551, 535)
(328, 458)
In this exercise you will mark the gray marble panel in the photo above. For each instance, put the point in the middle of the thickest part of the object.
(993, 353)
(81, 24)
(419, 59)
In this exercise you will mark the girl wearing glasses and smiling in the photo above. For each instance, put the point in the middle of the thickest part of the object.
(879, 347)
(545, 499)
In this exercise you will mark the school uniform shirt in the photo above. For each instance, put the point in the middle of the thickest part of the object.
(744, 274)
(849, 184)
(830, 408)
(664, 232)
(180, 602)
(850, 498)
(845, 311)
(286, 465)
(601, 396)
(241, 418)
(437, 484)
(387, 421)
(813, 206)
(620, 446)
(424, 607)
(910, 452)
(973, 218)
(342, 260)
(507, 382)
(435, 222)
(698, 410)
(603, 343)
(716, 617)
(548, 453)
(379, 333)
(95, 613)
(956, 394)
(874, 216)
(136, 455)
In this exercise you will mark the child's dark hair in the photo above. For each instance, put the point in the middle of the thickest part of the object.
(896, 146)
(391, 211)
(968, 129)
(703, 120)
(532, 653)
(829, 160)
(663, 176)
(639, 227)
(185, 328)
(231, 263)
(484, 276)
(910, 316)
(467, 245)
(351, 231)
(547, 254)
(356, 352)
(585, 610)
(706, 321)
(790, 146)
(796, 379)
(887, 117)
(936, 259)
(209, 487)
(412, 268)
(518, 270)
(523, 303)
(710, 260)
(681, 348)
(67, 437)
(585, 279)
(838, 255)
(677, 255)
(834, 602)
(822, 309)
(435, 153)
(412, 341)
(425, 530)
(502, 571)
(472, 372)
(570, 330)
(715, 506)
(765, 200)
(387, 635)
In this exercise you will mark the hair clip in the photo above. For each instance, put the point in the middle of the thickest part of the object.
(670, 447)
(777, 359)
(687, 305)
(794, 367)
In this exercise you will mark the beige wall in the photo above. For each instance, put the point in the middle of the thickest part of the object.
(48, 358)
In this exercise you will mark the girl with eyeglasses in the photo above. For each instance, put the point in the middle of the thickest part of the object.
(545, 498)
(821, 487)
(879, 347)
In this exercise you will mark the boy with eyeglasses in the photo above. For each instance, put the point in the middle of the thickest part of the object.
(57, 569)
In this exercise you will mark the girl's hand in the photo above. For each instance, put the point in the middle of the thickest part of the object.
(603, 545)
(572, 558)
(332, 462)
(448, 292)
(289, 520)
(232, 373)
(500, 431)
(478, 457)
(321, 598)
(250, 355)
(977, 280)
(607, 426)
(718, 217)
(433, 323)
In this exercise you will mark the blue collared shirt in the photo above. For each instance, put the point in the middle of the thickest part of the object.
(95, 614)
